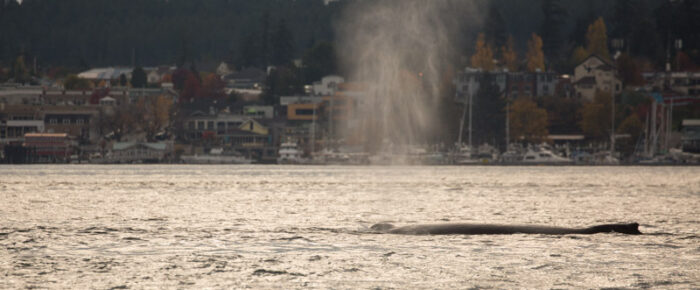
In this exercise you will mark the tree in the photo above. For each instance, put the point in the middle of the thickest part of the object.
(282, 45)
(495, 28)
(139, 78)
(213, 87)
(580, 54)
(320, 61)
(535, 55)
(483, 57)
(489, 113)
(282, 81)
(528, 123)
(597, 39)
(633, 127)
(154, 115)
(19, 71)
(191, 88)
(179, 77)
(562, 114)
(122, 80)
(509, 58)
(553, 19)
(73, 82)
(629, 70)
(596, 117)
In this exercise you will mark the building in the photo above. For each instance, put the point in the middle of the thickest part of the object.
(301, 108)
(76, 122)
(48, 147)
(596, 74)
(109, 75)
(138, 152)
(250, 78)
(680, 83)
(691, 136)
(327, 86)
(511, 84)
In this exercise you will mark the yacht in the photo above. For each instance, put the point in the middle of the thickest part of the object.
(543, 155)
(289, 154)
(216, 156)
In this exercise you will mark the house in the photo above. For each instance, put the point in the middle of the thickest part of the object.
(138, 152)
(250, 78)
(223, 69)
(155, 75)
(327, 86)
(596, 74)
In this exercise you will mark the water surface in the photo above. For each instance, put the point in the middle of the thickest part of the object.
(296, 227)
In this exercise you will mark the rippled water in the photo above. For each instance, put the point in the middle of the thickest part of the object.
(295, 227)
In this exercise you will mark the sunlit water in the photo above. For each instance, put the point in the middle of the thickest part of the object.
(298, 227)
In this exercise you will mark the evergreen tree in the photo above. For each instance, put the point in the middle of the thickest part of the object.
(282, 45)
(319, 61)
(489, 113)
(139, 78)
(265, 41)
(495, 29)
(553, 19)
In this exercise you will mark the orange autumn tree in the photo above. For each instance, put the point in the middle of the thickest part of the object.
(528, 122)
(597, 39)
(535, 55)
(483, 55)
(509, 57)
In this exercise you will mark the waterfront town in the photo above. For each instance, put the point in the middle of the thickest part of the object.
(501, 106)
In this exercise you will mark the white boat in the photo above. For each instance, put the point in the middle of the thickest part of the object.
(542, 155)
(216, 156)
(289, 154)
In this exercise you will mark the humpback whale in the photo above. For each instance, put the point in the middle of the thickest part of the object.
(495, 229)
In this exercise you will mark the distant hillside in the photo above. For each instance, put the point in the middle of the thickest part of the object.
(82, 33)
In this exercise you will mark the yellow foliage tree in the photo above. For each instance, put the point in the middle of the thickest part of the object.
(580, 54)
(633, 127)
(535, 55)
(596, 116)
(509, 57)
(597, 39)
(483, 56)
(528, 123)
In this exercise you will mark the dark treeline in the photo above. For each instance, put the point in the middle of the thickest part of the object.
(86, 33)
(89, 33)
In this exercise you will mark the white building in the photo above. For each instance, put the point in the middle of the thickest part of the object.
(596, 74)
(327, 86)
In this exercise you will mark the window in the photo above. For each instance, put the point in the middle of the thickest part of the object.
(200, 125)
(210, 125)
(80, 121)
(66, 121)
(303, 112)
(53, 121)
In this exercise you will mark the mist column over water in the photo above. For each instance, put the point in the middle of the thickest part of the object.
(396, 51)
